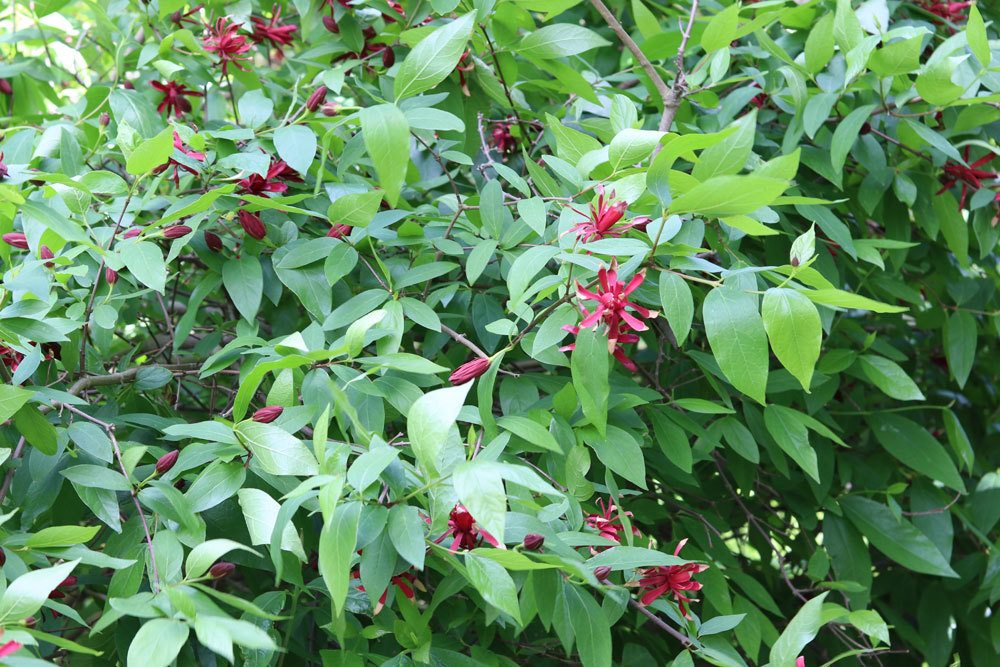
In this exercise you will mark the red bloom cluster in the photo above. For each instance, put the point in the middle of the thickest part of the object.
(612, 308)
(601, 219)
(465, 64)
(273, 182)
(676, 580)
(502, 139)
(173, 97)
(608, 521)
(970, 176)
(404, 581)
(953, 12)
(339, 230)
(466, 533)
(10, 358)
(273, 31)
(177, 165)
(223, 39)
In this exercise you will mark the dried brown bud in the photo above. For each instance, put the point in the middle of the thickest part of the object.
(533, 542)
(176, 231)
(221, 569)
(167, 461)
(317, 98)
(268, 414)
(213, 241)
(602, 573)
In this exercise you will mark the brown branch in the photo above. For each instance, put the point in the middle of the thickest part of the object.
(460, 338)
(661, 624)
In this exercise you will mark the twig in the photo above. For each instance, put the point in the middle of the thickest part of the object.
(459, 338)
(661, 624)
(9, 479)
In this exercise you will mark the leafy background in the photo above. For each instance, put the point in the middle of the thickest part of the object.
(807, 190)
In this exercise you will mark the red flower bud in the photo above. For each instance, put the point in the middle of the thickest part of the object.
(176, 231)
(213, 241)
(251, 224)
(533, 542)
(45, 253)
(330, 24)
(128, 85)
(132, 232)
(388, 57)
(330, 109)
(368, 32)
(104, 119)
(16, 239)
(316, 99)
(338, 231)
(29, 622)
(167, 461)
(268, 414)
(602, 573)
(221, 569)
(5, 87)
(180, 484)
(68, 581)
(470, 370)
(110, 275)
(3, 557)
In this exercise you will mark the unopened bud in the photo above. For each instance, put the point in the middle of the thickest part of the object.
(268, 414)
(176, 231)
(388, 57)
(252, 224)
(330, 109)
(317, 98)
(338, 231)
(602, 573)
(533, 542)
(128, 85)
(3, 557)
(45, 253)
(470, 370)
(5, 87)
(111, 276)
(132, 232)
(30, 622)
(330, 24)
(104, 119)
(16, 239)
(213, 241)
(167, 461)
(221, 569)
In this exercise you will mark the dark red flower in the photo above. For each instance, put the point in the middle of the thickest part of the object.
(339, 230)
(969, 176)
(467, 534)
(404, 581)
(177, 164)
(465, 64)
(16, 239)
(608, 521)
(952, 12)
(223, 39)
(317, 98)
(279, 171)
(173, 97)
(671, 579)
(3, 168)
(268, 414)
(252, 224)
(601, 219)
(502, 139)
(470, 370)
(213, 241)
(176, 231)
(167, 461)
(10, 358)
(272, 31)
(221, 569)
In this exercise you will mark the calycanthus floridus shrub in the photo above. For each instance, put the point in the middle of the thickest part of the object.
(497, 332)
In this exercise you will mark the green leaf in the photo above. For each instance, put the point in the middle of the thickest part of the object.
(794, 329)
(620, 452)
(631, 146)
(356, 210)
(260, 511)
(729, 195)
(590, 367)
(493, 582)
(801, 630)
(975, 32)
(296, 145)
(157, 643)
(429, 421)
(406, 530)
(960, 333)
(36, 429)
(96, 477)
(847, 132)
(529, 430)
(889, 377)
(243, 279)
(11, 400)
(630, 558)
(61, 536)
(275, 450)
(559, 40)
(721, 29)
(896, 538)
(910, 443)
(203, 555)
(387, 140)
(480, 488)
(144, 260)
(841, 299)
(678, 304)
(367, 467)
(730, 154)
(819, 44)
(792, 436)
(433, 59)
(26, 594)
(151, 153)
(736, 334)
(337, 542)
(593, 632)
